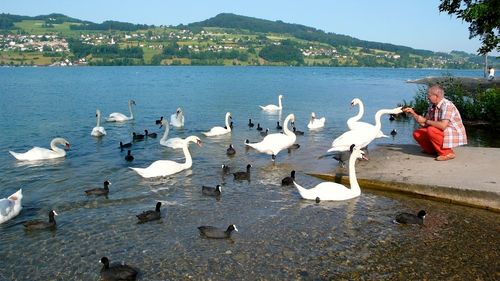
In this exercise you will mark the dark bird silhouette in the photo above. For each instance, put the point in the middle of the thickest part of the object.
(297, 132)
(250, 124)
(288, 180)
(38, 224)
(211, 191)
(125, 145)
(393, 133)
(230, 150)
(391, 117)
(278, 126)
(117, 272)
(265, 132)
(99, 190)
(407, 218)
(150, 135)
(217, 233)
(243, 175)
(259, 128)
(293, 146)
(137, 137)
(158, 122)
(150, 215)
(225, 169)
(129, 156)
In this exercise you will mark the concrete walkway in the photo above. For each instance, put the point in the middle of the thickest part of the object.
(472, 178)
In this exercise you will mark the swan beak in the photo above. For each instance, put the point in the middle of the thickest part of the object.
(364, 157)
(199, 143)
(68, 146)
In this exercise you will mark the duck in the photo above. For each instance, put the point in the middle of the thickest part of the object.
(315, 122)
(147, 134)
(292, 147)
(288, 180)
(272, 107)
(177, 119)
(217, 131)
(259, 128)
(38, 224)
(272, 144)
(361, 136)
(243, 175)
(354, 123)
(129, 156)
(150, 215)
(278, 126)
(120, 117)
(117, 271)
(137, 137)
(225, 169)
(172, 142)
(250, 124)
(125, 145)
(11, 206)
(394, 133)
(158, 121)
(39, 153)
(263, 134)
(332, 191)
(162, 168)
(407, 218)
(230, 150)
(99, 190)
(215, 232)
(98, 130)
(297, 132)
(211, 191)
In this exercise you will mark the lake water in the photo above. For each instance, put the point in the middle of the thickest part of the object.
(280, 236)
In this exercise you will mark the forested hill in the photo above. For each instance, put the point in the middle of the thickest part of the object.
(227, 20)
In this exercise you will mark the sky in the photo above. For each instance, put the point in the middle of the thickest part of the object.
(414, 23)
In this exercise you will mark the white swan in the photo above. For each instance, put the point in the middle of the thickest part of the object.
(273, 106)
(272, 144)
(162, 168)
(334, 191)
(177, 119)
(316, 123)
(11, 206)
(217, 131)
(363, 136)
(98, 131)
(354, 123)
(39, 153)
(120, 117)
(172, 142)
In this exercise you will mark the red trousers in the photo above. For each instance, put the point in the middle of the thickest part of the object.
(431, 140)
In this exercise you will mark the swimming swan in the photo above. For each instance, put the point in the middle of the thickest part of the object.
(363, 136)
(39, 153)
(11, 206)
(162, 168)
(172, 142)
(217, 131)
(98, 131)
(354, 123)
(272, 144)
(119, 117)
(316, 123)
(177, 119)
(331, 191)
(272, 106)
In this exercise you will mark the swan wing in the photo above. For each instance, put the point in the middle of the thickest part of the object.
(175, 143)
(359, 137)
(117, 117)
(316, 123)
(38, 153)
(273, 143)
(269, 107)
(98, 131)
(10, 208)
(216, 131)
(327, 191)
(160, 168)
(176, 121)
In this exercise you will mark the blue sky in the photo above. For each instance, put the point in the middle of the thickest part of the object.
(413, 23)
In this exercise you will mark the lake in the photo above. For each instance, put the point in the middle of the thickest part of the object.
(280, 236)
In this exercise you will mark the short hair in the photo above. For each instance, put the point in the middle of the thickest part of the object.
(436, 90)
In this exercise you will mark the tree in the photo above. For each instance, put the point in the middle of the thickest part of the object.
(484, 19)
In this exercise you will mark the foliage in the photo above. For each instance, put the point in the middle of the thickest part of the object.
(481, 105)
(285, 52)
(110, 25)
(484, 19)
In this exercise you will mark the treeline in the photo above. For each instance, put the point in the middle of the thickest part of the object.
(81, 50)
(7, 20)
(174, 51)
(110, 25)
(286, 52)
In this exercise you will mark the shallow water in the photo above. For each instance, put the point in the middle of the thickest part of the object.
(280, 235)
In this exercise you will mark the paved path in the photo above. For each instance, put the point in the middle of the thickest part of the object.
(472, 178)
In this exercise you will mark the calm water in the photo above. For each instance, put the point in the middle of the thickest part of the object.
(280, 236)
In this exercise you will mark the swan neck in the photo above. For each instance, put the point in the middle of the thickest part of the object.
(227, 123)
(187, 154)
(98, 119)
(285, 127)
(54, 147)
(130, 110)
(165, 134)
(361, 111)
(279, 103)
(378, 115)
(353, 180)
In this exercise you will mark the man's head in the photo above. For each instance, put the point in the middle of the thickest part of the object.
(435, 94)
